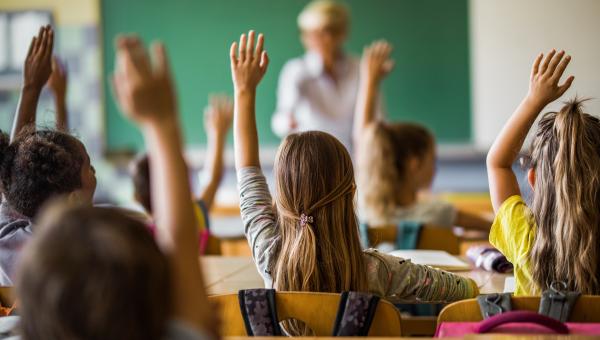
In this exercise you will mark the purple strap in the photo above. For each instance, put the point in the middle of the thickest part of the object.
(490, 324)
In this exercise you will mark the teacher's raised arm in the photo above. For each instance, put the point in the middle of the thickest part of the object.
(318, 91)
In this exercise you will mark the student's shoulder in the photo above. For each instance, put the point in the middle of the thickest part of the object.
(513, 210)
(513, 228)
(13, 224)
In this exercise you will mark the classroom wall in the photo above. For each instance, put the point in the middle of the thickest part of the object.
(505, 38)
(77, 44)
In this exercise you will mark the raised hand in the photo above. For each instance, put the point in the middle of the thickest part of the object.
(376, 62)
(249, 63)
(374, 66)
(143, 89)
(38, 63)
(218, 115)
(545, 76)
(58, 85)
(544, 88)
(58, 79)
(36, 71)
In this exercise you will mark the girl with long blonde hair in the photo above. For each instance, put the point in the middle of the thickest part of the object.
(555, 238)
(307, 238)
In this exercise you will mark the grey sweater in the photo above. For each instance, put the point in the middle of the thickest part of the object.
(391, 277)
(15, 230)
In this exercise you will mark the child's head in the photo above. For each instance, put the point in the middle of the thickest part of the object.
(140, 174)
(320, 246)
(41, 164)
(565, 177)
(324, 26)
(393, 158)
(93, 273)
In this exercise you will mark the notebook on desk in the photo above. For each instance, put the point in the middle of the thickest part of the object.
(433, 258)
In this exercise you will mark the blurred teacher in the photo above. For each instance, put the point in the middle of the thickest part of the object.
(318, 90)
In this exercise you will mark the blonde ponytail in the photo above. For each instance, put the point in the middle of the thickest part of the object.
(566, 203)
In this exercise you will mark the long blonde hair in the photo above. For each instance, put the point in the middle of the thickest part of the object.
(382, 163)
(565, 154)
(320, 252)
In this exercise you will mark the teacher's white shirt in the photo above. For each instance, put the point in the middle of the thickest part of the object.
(315, 100)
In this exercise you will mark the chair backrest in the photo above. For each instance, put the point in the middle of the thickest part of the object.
(430, 238)
(316, 310)
(586, 309)
(7, 297)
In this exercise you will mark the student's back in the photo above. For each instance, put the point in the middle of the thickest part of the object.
(307, 238)
(556, 237)
(34, 168)
(94, 273)
(396, 160)
(37, 165)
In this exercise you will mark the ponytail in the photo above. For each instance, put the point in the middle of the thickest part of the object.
(319, 249)
(566, 204)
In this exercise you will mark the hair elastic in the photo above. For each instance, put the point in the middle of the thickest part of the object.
(304, 220)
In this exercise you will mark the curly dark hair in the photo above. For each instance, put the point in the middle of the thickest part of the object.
(38, 165)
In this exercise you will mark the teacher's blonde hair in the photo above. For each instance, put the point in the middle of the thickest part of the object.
(328, 14)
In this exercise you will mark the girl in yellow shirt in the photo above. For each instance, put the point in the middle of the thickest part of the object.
(556, 237)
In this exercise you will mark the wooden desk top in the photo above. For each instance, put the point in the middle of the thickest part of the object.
(225, 275)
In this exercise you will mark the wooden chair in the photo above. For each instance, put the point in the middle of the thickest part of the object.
(7, 297)
(430, 238)
(316, 310)
(587, 309)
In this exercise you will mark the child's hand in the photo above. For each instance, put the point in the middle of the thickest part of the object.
(543, 85)
(38, 63)
(58, 79)
(218, 115)
(250, 64)
(143, 90)
(376, 62)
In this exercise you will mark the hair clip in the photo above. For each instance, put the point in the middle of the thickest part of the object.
(305, 220)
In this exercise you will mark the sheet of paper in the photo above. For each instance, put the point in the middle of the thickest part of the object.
(434, 258)
(509, 285)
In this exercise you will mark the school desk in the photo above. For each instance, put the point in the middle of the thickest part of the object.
(225, 275)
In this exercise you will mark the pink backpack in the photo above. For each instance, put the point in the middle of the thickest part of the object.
(516, 322)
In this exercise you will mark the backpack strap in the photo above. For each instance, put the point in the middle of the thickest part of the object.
(355, 314)
(407, 236)
(259, 312)
(494, 304)
(557, 302)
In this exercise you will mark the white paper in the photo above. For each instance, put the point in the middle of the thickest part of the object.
(434, 258)
(509, 284)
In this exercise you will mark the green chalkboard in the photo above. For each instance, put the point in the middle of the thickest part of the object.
(429, 85)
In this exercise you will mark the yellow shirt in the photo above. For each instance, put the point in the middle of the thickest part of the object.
(513, 233)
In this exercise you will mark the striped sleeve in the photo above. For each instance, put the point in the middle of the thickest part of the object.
(401, 280)
(258, 217)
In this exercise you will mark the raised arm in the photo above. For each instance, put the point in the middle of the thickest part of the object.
(248, 66)
(146, 96)
(217, 121)
(374, 66)
(543, 89)
(58, 85)
(36, 71)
